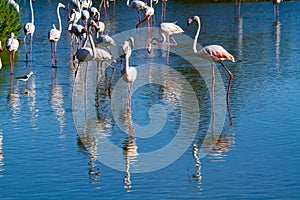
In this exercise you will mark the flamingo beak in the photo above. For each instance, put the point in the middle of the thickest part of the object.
(189, 21)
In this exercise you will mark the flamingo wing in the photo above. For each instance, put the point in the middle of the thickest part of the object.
(217, 53)
(170, 28)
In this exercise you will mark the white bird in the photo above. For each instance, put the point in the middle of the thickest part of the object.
(54, 33)
(86, 54)
(138, 5)
(24, 78)
(166, 29)
(12, 44)
(213, 53)
(125, 49)
(101, 39)
(129, 73)
(29, 28)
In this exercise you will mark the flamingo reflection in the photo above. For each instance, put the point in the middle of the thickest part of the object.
(198, 164)
(57, 101)
(130, 153)
(1, 153)
(277, 43)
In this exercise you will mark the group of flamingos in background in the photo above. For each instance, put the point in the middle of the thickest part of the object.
(84, 19)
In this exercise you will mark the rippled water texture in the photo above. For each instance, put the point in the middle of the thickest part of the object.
(67, 137)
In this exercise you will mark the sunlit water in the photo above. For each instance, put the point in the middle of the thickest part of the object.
(53, 129)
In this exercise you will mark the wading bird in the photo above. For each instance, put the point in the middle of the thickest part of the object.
(213, 53)
(29, 28)
(128, 73)
(12, 44)
(54, 34)
(168, 29)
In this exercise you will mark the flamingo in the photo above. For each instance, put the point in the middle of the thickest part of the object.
(149, 12)
(86, 54)
(0, 57)
(126, 49)
(54, 33)
(276, 9)
(169, 29)
(29, 28)
(128, 73)
(138, 5)
(213, 53)
(103, 40)
(12, 44)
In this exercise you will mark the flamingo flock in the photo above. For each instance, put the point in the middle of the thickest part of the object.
(92, 44)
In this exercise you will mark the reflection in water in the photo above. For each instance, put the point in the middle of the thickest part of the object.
(13, 99)
(277, 43)
(1, 154)
(198, 165)
(57, 101)
(130, 153)
(239, 38)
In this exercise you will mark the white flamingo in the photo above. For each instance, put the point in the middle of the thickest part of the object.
(138, 5)
(213, 53)
(125, 49)
(54, 33)
(29, 28)
(128, 73)
(166, 29)
(12, 44)
(14, 4)
(101, 39)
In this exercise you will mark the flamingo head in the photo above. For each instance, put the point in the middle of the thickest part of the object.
(190, 20)
(1, 47)
(61, 5)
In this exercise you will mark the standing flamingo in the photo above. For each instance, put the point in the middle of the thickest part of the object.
(138, 5)
(54, 34)
(126, 49)
(12, 44)
(129, 74)
(276, 9)
(29, 28)
(213, 53)
(168, 29)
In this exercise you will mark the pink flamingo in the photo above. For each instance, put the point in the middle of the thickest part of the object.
(213, 53)
(29, 28)
(168, 29)
(12, 44)
(54, 34)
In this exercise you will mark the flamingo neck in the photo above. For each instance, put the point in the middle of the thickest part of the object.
(31, 9)
(127, 2)
(91, 41)
(58, 17)
(196, 37)
(127, 63)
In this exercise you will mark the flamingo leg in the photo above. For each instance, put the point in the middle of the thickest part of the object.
(227, 95)
(25, 47)
(213, 88)
(174, 41)
(168, 51)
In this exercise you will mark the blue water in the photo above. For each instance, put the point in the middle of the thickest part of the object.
(54, 129)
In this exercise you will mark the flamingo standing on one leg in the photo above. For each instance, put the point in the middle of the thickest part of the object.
(12, 44)
(213, 53)
(129, 74)
(276, 9)
(54, 34)
(29, 28)
(168, 29)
